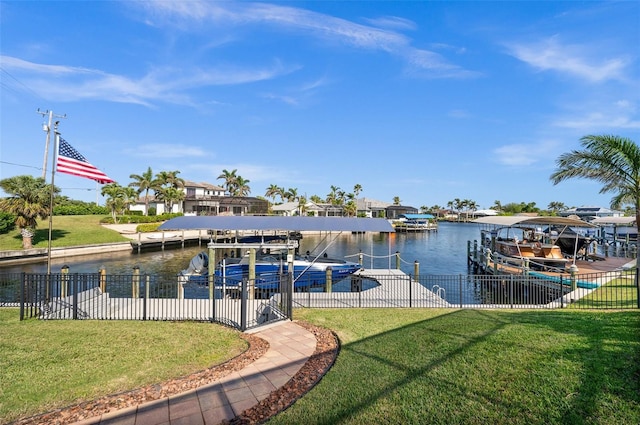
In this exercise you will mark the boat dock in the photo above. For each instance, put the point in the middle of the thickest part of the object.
(386, 293)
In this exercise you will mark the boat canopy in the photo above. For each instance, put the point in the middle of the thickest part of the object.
(513, 220)
(624, 221)
(417, 216)
(294, 224)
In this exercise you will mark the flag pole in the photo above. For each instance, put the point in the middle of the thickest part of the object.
(56, 138)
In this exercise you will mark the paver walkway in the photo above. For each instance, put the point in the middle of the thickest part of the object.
(290, 346)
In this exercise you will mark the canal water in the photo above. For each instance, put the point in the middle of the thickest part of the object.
(442, 252)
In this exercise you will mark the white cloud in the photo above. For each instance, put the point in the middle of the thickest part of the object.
(522, 155)
(315, 24)
(576, 60)
(67, 83)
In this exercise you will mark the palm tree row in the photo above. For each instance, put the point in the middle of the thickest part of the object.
(611, 160)
(336, 196)
(234, 184)
(166, 186)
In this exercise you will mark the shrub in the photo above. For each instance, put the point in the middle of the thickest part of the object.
(7, 222)
(147, 227)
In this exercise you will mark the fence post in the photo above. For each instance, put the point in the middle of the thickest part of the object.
(360, 258)
(103, 279)
(328, 287)
(410, 292)
(64, 281)
(145, 297)
(416, 269)
(511, 277)
(243, 305)
(561, 292)
(573, 269)
(397, 260)
(135, 283)
(460, 288)
(74, 283)
(23, 288)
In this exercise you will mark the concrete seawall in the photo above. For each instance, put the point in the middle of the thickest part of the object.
(37, 255)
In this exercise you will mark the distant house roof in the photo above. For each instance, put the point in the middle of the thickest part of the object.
(364, 204)
(286, 206)
(204, 185)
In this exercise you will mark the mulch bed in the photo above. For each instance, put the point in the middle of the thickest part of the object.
(311, 372)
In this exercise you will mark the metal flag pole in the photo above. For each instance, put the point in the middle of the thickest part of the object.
(56, 137)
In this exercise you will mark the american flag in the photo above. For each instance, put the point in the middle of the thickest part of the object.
(70, 161)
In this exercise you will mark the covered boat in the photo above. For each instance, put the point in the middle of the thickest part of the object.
(269, 266)
(538, 241)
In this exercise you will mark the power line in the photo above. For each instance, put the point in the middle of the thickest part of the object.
(21, 165)
(27, 88)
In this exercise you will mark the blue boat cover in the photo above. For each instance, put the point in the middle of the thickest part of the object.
(418, 216)
(294, 224)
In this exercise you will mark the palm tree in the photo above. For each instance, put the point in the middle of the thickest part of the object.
(170, 179)
(396, 200)
(555, 207)
(291, 195)
(115, 199)
(29, 198)
(613, 161)
(357, 189)
(144, 182)
(169, 196)
(273, 191)
(229, 178)
(241, 187)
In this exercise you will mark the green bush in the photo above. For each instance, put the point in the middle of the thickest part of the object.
(7, 222)
(136, 219)
(147, 227)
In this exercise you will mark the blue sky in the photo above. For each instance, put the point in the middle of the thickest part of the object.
(427, 101)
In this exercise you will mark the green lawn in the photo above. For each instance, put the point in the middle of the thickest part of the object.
(410, 366)
(50, 364)
(67, 230)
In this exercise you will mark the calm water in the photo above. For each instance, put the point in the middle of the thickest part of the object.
(439, 253)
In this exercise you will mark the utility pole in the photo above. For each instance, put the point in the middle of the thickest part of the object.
(47, 129)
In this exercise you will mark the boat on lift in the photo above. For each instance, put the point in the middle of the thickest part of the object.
(269, 267)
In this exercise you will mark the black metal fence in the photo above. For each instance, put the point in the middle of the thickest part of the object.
(240, 304)
(245, 304)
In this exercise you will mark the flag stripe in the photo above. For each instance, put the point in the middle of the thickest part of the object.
(71, 161)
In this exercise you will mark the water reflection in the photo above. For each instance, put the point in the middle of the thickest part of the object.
(441, 252)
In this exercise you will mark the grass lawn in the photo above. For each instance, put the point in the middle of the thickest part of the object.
(67, 230)
(50, 364)
(426, 366)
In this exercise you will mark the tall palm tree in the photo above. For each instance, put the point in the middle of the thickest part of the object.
(611, 160)
(241, 187)
(229, 178)
(357, 189)
(169, 179)
(144, 182)
(115, 199)
(29, 198)
(170, 195)
(273, 191)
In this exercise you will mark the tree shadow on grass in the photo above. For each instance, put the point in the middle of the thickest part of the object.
(42, 235)
(478, 366)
